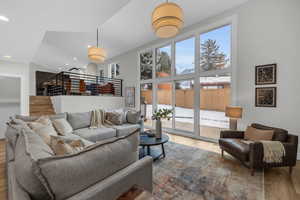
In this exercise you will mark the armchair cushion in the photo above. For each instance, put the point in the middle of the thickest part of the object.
(279, 134)
(235, 147)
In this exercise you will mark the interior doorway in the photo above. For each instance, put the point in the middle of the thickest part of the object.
(10, 99)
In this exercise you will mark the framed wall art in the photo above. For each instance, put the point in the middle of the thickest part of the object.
(265, 97)
(266, 74)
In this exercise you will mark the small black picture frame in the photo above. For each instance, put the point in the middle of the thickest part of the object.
(266, 97)
(266, 74)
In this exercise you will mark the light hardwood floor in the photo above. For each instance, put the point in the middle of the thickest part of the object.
(278, 184)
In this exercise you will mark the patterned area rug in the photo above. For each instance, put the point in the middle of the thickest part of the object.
(194, 174)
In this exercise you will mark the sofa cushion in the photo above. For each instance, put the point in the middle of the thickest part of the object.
(279, 134)
(79, 120)
(33, 118)
(30, 147)
(258, 134)
(126, 129)
(44, 128)
(96, 134)
(71, 174)
(62, 126)
(236, 147)
(114, 117)
(133, 116)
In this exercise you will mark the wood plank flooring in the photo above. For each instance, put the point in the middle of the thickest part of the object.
(278, 184)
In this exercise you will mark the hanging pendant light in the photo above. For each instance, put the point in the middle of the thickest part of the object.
(167, 20)
(97, 54)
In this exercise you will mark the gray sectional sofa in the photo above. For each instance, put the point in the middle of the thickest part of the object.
(102, 171)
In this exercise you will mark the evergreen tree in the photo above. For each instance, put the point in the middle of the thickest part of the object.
(210, 57)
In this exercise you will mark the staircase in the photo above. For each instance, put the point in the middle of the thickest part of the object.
(40, 105)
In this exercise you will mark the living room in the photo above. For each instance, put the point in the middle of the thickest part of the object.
(181, 96)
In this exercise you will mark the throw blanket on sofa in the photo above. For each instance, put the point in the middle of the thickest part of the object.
(273, 150)
(98, 119)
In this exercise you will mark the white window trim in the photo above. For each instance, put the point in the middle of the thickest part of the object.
(232, 20)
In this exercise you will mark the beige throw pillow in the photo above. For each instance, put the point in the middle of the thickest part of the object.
(114, 117)
(62, 126)
(44, 128)
(258, 134)
(64, 147)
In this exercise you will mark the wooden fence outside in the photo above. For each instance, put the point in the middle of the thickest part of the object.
(210, 99)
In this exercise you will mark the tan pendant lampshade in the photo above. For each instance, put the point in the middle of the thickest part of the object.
(97, 54)
(167, 20)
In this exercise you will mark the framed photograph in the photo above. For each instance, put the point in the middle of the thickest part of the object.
(265, 74)
(265, 97)
(130, 97)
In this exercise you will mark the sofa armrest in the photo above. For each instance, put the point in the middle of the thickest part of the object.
(256, 155)
(232, 134)
(290, 158)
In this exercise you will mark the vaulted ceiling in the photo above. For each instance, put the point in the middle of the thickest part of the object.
(53, 33)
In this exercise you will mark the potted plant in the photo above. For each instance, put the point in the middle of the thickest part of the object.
(159, 114)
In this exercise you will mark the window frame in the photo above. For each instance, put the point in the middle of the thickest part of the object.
(232, 70)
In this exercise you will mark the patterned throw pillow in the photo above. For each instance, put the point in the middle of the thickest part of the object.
(44, 128)
(114, 117)
(63, 147)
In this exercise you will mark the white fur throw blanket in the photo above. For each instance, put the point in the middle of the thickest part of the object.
(273, 150)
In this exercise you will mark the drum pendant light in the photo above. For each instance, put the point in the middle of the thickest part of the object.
(167, 20)
(97, 54)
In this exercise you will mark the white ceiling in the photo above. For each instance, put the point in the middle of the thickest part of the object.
(52, 32)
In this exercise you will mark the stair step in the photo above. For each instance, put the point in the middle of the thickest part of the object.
(41, 105)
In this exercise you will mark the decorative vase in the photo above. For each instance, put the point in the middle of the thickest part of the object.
(158, 129)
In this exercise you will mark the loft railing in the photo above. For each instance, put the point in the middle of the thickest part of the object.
(69, 83)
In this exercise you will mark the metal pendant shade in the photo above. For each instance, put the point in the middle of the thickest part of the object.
(167, 20)
(97, 54)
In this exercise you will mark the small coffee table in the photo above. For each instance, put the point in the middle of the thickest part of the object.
(147, 141)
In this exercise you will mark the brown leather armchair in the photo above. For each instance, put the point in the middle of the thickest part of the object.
(251, 155)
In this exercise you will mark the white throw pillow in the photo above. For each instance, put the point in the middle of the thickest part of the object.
(62, 126)
(44, 128)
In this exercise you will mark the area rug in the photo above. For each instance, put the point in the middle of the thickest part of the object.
(189, 173)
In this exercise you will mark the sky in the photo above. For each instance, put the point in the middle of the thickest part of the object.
(185, 48)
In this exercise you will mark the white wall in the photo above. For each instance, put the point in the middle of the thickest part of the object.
(75, 104)
(20, 70)
(267, 32)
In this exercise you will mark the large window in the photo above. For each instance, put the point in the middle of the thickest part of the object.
(215, 49)
(184, 105)
(185, 56)
(164, 100)
(146, 65)
(196, 86)
(163, 61)
(146, 103)
(215, 95)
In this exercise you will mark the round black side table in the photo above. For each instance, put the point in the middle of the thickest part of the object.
(147, 142)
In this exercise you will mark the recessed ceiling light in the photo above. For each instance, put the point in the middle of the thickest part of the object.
(89, 46)
(7, 56)
(75, 58)
(66, 64)
(3, 18)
